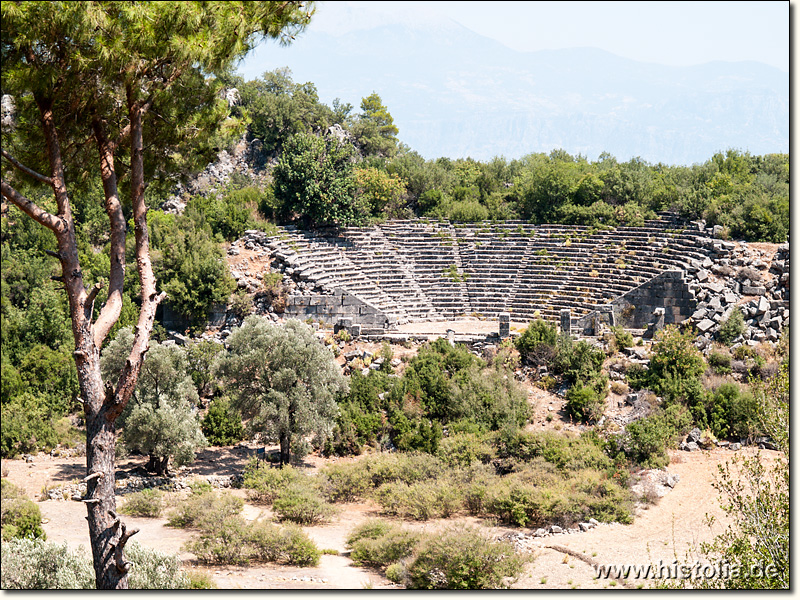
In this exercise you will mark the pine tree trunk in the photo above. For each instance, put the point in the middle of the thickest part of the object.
(107, 533)
(104, 535)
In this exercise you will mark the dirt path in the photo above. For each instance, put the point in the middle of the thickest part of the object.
(664, 531)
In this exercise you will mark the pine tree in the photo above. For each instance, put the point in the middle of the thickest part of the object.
(123, 91)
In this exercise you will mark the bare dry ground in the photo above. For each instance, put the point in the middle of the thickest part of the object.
(667, 530)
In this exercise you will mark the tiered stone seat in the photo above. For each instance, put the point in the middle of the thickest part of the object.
(379, 261)
(431, 252)
(491, 257)
(423, 270)
(322, 260)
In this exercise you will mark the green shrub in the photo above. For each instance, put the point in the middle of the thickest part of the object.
(300, 503)
(369, 529)
(463, 449)
(223, 541)
(428, 377)
(146, 503)
(466, 211)
(345, 482)
(490, 398)
(26, 426)
(578, 362)
(233, 541)
(421, 500)
(515, 503)
(152, 570)
(395, 572)
(356, 424)
(638, 376)
(33, 564)
(240, 304)
(685, 390)
(720, 363)
(744, 417)
(620, 388)
(732, 412)
(732, 327)
(623, 339)
(229, 215)
(584, 403)
(222, 425)
(476, 482)
(205, 508)
(21, 518)
(538, 342)
(264, 481)
(377, 543)
(674, 354)
(538, 495)
(189, 264)
(416, 434)
(647, 439)
(284, 545)
(463, 559)
(200, 580)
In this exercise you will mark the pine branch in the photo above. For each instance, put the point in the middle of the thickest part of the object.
(26, 170)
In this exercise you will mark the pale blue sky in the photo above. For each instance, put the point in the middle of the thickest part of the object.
(669, 33)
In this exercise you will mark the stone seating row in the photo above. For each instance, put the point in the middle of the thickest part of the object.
(421, 270)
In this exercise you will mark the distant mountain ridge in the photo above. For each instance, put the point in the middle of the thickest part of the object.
(455, 93)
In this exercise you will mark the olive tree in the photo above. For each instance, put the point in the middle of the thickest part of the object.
(122, 93)
(160, 419)
(282, 379)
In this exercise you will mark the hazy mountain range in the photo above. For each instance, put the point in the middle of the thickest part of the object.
(455, 93)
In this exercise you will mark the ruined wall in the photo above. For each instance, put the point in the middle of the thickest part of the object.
(331, 308)
(669, 291)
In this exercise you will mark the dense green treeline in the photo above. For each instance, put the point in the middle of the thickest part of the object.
(747, 195)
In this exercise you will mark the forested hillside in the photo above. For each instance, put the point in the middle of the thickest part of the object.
(324, 165)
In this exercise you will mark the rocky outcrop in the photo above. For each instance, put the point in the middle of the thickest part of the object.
(246, 158)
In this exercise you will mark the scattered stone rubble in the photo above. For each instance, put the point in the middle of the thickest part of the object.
(125, 483)
(524, 542)
(654, 482)
(739, 275)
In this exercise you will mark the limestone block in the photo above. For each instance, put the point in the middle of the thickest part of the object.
(705, 325)
(504, 324)
(753, 290)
